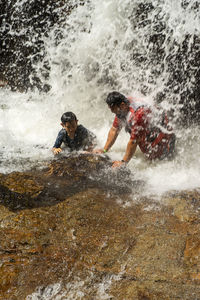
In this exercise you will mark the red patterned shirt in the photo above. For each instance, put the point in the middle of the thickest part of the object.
(154, 141)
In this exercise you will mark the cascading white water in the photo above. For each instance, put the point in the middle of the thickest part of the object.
(96, 55)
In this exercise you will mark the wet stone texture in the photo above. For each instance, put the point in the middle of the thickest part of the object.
(73, 230)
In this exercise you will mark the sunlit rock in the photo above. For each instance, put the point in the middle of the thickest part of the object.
(63, 234)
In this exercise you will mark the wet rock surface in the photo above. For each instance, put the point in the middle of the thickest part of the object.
(74, 230)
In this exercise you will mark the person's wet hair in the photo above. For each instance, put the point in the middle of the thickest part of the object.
(68, 117)
(116, 98)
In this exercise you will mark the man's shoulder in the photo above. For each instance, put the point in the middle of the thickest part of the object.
(81, 129)
(84, 132)
(62, 132)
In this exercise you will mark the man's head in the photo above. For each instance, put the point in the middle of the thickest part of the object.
(117, 103)
(69, 122)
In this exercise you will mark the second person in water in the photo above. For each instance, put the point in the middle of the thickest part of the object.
(152, 135)
(73, 136)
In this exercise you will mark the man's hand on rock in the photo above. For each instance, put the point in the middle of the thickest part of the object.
(117, 163)
(56, 150)
(98, 151)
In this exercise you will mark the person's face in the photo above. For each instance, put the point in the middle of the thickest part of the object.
(115, 109)
(119, 110)
(70, 127)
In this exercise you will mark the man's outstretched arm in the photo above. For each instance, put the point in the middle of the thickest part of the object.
(112, 136)
(130, 150)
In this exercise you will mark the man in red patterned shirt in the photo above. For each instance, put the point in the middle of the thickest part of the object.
(147, 126)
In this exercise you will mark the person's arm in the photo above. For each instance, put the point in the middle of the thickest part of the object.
(130, 150)
(56, 148)
(112, 136)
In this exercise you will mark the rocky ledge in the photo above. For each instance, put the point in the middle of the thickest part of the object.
(75, 230)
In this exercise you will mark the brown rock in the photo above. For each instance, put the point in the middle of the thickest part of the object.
(64, 233)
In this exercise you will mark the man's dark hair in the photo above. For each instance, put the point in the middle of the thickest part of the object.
(68, 117)
(116, 98)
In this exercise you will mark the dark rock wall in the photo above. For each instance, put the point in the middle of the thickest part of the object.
(23, 27)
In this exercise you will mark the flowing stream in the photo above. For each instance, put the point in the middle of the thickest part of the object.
(102, 46)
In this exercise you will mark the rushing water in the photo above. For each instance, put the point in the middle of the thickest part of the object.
(104, 48)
